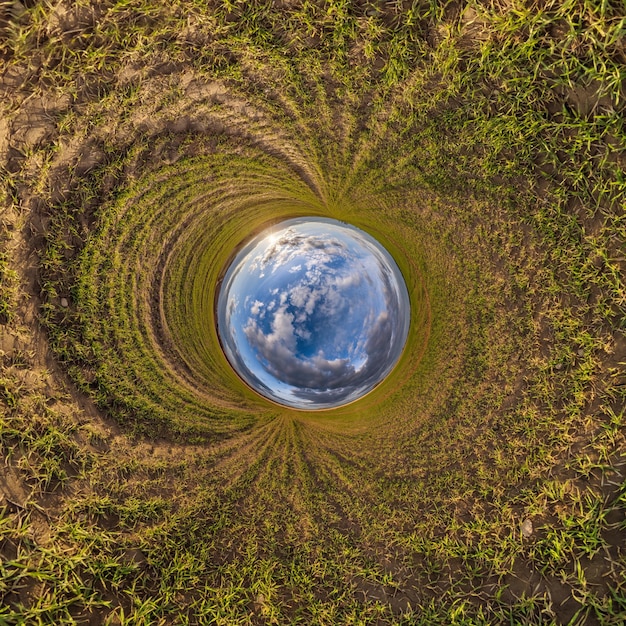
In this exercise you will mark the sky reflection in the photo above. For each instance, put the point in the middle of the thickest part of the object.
(313, 313)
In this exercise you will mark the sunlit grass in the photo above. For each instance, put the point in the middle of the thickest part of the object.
(482, 144)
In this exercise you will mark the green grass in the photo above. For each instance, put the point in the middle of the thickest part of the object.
(482, 143)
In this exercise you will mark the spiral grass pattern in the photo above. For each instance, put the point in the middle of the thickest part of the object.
(481, 143)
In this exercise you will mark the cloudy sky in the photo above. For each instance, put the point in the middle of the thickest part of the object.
(313, 313)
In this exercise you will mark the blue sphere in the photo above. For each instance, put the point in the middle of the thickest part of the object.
(313, 313)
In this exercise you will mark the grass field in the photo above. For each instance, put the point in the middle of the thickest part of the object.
(482, 142)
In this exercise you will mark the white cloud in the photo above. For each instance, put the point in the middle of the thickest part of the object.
(290, 245)
(230, 307)
(283, 330)
(299, 295)
(303, 334)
